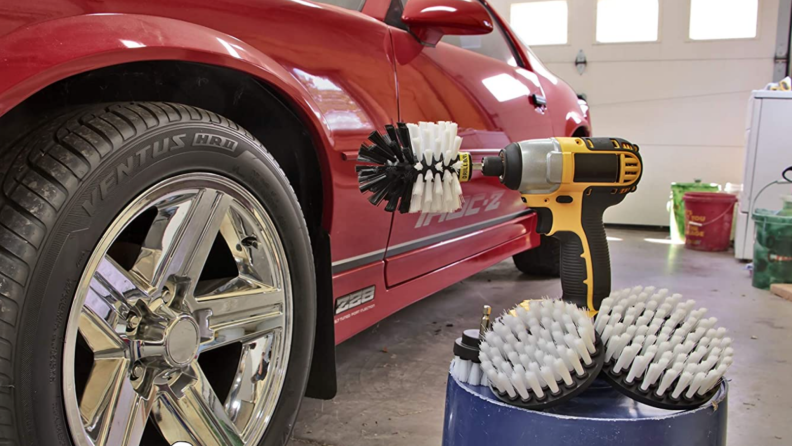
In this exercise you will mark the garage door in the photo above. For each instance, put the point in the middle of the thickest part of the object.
(671, 76)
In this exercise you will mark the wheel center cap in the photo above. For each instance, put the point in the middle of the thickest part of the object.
(182, 341)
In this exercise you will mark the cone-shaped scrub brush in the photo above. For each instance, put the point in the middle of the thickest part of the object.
(543, 356)
(414, 167)
(660, 350)
(466, 366)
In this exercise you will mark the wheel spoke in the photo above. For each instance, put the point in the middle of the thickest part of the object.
(114, 413)
(242, 315)
(196, 416)
(252, 256)
(252, 376)
(181, 237)
(101, 337)
(113, 292)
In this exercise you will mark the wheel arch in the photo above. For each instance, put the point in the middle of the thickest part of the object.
(581, 132)
(69, 47)
(131, 57)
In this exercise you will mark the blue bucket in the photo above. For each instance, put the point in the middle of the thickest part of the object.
(601, 416)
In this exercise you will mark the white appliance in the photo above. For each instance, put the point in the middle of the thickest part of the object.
(768, 151)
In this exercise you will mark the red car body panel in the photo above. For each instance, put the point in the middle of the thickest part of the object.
(345, 73)
(451, 83)
(393, 299)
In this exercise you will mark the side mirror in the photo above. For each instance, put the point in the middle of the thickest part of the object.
(430, 20)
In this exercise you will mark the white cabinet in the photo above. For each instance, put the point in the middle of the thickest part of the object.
(768, 151)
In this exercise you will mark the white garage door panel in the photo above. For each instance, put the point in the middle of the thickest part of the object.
(693, 121)
(631, 81)
(648, 203)
(684, 102)
(691, 130)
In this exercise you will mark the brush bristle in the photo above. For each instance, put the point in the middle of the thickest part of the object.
(468, 372)
(415, 169)
(662, 343)
(539, 350)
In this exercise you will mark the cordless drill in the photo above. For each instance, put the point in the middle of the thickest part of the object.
(570, 182)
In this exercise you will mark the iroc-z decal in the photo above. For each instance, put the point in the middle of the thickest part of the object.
(353, 300)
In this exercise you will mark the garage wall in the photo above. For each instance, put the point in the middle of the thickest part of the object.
(684, 102)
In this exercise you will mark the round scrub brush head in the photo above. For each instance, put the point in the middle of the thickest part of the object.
(660, 350)
(541, 356)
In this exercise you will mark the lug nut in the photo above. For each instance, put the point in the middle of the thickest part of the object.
(133, 322)
(166, 295)
(137, 371)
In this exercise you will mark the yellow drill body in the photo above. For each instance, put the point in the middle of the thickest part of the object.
(570, 182)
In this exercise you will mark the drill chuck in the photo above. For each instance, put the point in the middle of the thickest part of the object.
(508, 166)
(492, 166)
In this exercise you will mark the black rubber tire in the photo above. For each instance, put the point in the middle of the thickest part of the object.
(62, 186)
(544, 260)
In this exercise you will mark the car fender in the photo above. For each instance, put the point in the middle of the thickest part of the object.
(573, 122)
(41, 54)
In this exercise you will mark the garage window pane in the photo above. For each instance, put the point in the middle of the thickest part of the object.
(621, 21)
(540, 23)
(723, 19)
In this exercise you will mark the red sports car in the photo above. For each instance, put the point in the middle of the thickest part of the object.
(182, 239)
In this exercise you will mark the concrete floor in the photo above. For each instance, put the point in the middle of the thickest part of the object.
(392, 377)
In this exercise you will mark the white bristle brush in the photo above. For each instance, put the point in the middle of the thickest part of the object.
(465, 366)
(414, 167)
(469, 372)
(542, 356)
(436, 148)
(660, 350)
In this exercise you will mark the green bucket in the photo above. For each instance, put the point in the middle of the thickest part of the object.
(772, 261)
(678, 190)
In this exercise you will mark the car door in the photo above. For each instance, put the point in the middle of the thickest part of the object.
(476, 82)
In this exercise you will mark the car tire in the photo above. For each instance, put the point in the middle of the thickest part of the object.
(65, 185)
(543, 260)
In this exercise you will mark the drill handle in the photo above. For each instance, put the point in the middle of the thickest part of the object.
(575, 266)
(585, 260)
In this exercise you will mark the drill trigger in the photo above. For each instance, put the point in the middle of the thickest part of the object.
(544, 220)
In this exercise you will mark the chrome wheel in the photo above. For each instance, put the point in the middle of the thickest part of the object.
(181, 323)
